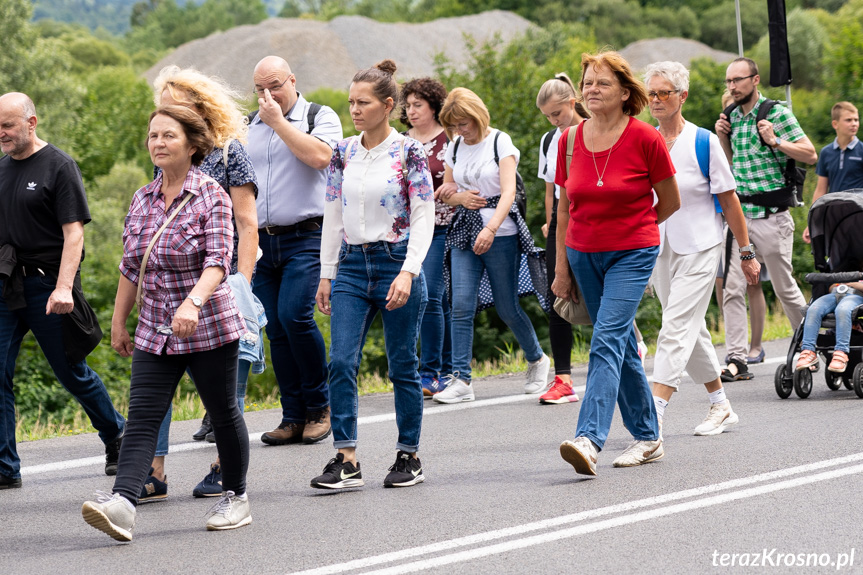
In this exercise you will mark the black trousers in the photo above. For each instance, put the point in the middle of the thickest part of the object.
(559, 330)
(154, 381)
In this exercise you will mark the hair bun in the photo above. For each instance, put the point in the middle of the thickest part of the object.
(387, 66)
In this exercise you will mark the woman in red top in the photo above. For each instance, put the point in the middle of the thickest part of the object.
(608, 234)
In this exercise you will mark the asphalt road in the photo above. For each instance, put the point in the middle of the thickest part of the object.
(774, 492)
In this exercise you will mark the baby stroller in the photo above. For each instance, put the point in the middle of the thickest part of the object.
(836, 230)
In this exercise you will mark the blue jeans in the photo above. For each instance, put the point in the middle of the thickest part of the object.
(501, 263)
(612, 284)
(286, 282)
(842, 309)
(243, 368)
(78, 379)
(359, 292)
(436, 328)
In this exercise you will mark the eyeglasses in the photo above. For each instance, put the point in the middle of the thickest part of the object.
(731, 81)
(661, 95)
(260, 91)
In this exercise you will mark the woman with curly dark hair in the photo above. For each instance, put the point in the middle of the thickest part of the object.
(422, 100)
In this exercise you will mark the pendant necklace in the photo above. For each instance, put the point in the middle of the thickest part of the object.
(599, 176)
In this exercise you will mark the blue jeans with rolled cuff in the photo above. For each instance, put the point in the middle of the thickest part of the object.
(612, 284)
(358, 293)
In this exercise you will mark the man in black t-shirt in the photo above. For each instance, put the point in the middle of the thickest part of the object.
(43, 210)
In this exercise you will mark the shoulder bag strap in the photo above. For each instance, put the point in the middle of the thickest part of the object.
(225, 156)
(570, 145)
(153, 243)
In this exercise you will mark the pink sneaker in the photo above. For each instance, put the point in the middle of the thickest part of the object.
(560, 392)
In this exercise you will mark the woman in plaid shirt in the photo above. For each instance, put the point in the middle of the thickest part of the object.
(187, 320)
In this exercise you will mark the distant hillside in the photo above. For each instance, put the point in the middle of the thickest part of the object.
(328, 54)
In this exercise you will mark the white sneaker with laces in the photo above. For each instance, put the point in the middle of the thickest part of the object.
(581, 454)
(230, 512)
(111, 513)
(457, 390)
(718, 418)
(537, 375)
(640, 452)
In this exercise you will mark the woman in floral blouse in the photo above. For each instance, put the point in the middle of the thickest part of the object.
(422, 100)
(378, 225)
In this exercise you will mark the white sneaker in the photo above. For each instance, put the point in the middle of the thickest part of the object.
(537, 375)
(640, 452)
(112, 514)
(581, 454)
(457, 390)
(642, 351)
(718, 418)
(230, 512)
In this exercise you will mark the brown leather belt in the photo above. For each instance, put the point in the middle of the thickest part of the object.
(309, 225)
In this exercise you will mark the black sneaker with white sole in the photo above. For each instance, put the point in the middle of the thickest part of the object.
(339, 474)
(406, 471)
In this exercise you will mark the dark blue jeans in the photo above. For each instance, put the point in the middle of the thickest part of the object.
(436, 328)
(286, 282)
(612, 284)
(78, 379)
(359, 293)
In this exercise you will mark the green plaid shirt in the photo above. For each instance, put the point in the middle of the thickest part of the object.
(754, 168)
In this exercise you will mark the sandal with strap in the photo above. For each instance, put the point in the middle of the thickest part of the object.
(807, 360)
(839, 363)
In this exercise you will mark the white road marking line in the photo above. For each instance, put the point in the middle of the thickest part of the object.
(615, 522)
(254, 437)
(577, 517)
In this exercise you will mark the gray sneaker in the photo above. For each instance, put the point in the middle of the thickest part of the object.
(537, 375)
(112, 514)
(230, 512)
(581, 454)
(640, 452)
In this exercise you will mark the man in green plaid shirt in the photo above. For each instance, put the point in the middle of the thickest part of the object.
(771, 230)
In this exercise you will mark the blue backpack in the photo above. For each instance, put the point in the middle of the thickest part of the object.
(702, 153)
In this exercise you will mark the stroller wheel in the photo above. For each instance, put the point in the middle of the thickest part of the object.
(834, 380)
(858, 380)
(782, 382)
(847, 381)
(803, 383)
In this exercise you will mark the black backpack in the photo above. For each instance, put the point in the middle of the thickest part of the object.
(520, 195)
(310, 119)
(791, 195)
(546, 144)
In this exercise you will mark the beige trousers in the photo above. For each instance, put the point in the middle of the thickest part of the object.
(773, 238)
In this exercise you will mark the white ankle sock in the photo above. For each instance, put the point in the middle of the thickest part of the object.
(660, 404)
(717, 396)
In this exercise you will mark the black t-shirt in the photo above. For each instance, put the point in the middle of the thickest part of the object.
(37, 196)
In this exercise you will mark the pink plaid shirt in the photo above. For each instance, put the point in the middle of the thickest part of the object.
(199, 237)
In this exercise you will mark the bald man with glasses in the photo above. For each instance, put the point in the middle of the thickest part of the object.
(291, 143)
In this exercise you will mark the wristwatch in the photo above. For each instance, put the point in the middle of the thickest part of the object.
(776, 144)
(196, 301)
(750, 249)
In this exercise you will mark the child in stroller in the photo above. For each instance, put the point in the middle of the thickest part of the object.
(836, 229)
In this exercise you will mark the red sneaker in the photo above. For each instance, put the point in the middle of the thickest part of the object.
(560, 392)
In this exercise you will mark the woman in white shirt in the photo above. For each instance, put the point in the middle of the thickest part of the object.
(488, 235)
(691, 245)
(378, 225)
(557, 102)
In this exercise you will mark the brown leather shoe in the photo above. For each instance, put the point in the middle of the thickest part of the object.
(284, 434)
(317, 426)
